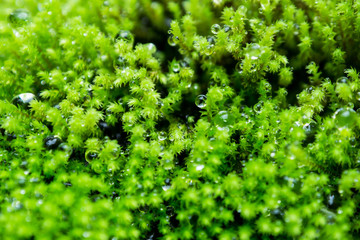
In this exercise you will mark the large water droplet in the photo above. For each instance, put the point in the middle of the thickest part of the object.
(66, 148)
(90, 155)
(345, 116)
(52, 142)
(19, 17)
(23, 99)
(215, 28)
(224, 119)
(200, 101)
(342, 80)
(171, 41)
(162, 136)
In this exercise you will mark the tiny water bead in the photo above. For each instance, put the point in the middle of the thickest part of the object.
(90, 155)
(345, 117)
(200, 101)
(215, 28)
(123, 35)
(224, 119)
(23, 99)
(19, 17)
(52, 142)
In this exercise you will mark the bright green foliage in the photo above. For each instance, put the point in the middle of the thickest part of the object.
(194, 119)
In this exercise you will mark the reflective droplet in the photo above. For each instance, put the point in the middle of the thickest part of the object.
(123, 35)
(211, 40)
(23, 99)
(19, 17)
(162, 136)
(52, 142)
(166, 187)
(257, 108)
(345, 116)
(227, 28)
(171, 41)
(151, 47)
(215, 28)
(90, 155)
(199, 167)
(200, 101)
(176, 67)
(224, 119)
(66, 148)
(120, 62)
(342, 80)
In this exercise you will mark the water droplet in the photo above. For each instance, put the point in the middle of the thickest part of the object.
(23, 99)
(120, 62)
(151, 47)
(342, 80)
(227, 28)
(175, 67)
(211, 40)
(199, 167)
(90, 155)
(258, 107)
(239, 67)
(162, 136)
(200, 101)
(171, 41)
(52, 142)
(123, 35)
(215, 28)
(345, 116)
(66, 148)
(19, 17)
(224, 118)
(166, 187)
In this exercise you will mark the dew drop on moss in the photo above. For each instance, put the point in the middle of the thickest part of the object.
(52, 142)
(215, 28)
(162, 136)
(66, 148)
(224, 119)
(151, 47)
(123, 35)
(358, 96)
(23, 99)
(345, 117)
(200, 101)
(171, 41)
(176, 67)
(91, 155)
(19, 17)
(227, 28)
(342, 80)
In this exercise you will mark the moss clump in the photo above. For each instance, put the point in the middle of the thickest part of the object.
(191, 119)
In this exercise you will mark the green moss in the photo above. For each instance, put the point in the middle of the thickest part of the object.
(190, 119)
